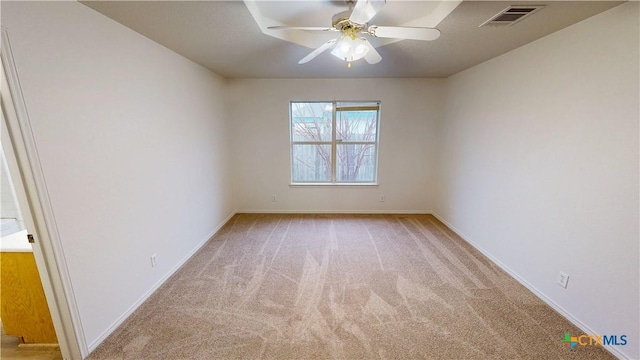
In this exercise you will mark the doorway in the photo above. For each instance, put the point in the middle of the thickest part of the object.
(37, 216)
(26, 331)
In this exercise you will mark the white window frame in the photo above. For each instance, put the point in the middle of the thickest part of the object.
(367, 105)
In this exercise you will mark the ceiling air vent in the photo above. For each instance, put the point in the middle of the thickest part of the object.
(512, 15)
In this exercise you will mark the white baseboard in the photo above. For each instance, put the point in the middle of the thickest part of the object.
(94, 344)
(272, 211)
(566, 314)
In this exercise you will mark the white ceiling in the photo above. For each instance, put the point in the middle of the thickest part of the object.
(318, 13)
(224, 36)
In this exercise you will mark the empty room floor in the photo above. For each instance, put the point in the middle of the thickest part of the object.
(319, 286)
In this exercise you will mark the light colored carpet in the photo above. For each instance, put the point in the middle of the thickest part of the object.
(342, 287)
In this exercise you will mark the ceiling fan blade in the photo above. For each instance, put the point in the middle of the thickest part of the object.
(372, 56)
(305, 28)
(404, 32)
(317, 51)
(365, 10)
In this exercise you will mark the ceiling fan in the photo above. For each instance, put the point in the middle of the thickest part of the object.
(353, 23)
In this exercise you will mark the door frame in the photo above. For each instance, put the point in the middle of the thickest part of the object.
(37, 211)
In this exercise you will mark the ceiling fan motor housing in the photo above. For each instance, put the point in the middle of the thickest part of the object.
(341, 22)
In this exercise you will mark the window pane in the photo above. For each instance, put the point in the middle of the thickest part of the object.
(311, 163)
(311, 121)
(356, 163)
(357, 124)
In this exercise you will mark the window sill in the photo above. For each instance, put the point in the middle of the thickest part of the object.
(351, 185)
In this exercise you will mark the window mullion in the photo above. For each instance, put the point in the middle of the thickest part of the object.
(357, 142)
(311, 143)
(334, 147)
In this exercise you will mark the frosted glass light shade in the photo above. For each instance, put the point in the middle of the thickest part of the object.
(349, 49)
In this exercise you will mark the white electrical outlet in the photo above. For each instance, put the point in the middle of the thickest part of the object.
(563, 279)
(382, 198)
(154, 260)
(274, 198)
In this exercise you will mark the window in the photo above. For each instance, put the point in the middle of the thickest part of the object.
(334, 142)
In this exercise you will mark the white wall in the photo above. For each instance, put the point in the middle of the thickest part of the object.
(132, 140)
(409, 111)
(538, 166)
